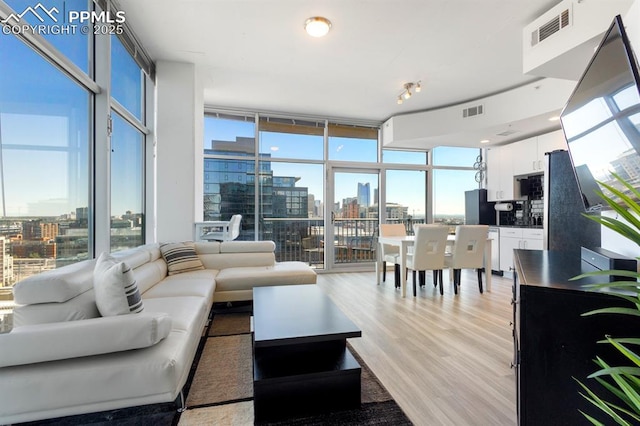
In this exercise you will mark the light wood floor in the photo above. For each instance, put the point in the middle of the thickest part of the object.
(445, 359)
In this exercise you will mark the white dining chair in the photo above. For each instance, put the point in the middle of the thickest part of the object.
(227, 231)
(391, 253)
(467, 252)
(428, 253)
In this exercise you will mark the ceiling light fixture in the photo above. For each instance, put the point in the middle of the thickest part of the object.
(317, 26)
(406, 93)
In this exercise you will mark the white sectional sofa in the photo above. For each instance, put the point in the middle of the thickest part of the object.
(63, 358)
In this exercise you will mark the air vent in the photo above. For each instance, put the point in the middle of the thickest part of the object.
(545, 31)
(472, 111)
(507, 133)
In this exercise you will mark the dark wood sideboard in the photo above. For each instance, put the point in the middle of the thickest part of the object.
(552, 341)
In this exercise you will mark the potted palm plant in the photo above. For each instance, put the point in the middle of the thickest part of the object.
(620, 399)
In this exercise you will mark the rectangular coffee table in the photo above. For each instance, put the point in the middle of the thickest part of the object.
(301, 364)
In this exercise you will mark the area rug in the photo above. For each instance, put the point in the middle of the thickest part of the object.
(229, 324)
(222, 388)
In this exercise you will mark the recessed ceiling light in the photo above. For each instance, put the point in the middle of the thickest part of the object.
(485, 141)
(317, 26)
(554, 118)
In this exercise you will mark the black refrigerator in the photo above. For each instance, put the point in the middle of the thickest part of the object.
(477, 210)
(565, 226)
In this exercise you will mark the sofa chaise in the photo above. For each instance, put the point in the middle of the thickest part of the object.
(63, 357)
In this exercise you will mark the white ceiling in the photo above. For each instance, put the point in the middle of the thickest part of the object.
(254, 54)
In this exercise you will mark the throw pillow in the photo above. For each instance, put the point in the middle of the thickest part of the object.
(180, 257)
(115, 287)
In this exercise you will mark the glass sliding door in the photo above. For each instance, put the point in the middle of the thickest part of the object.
(352, 237)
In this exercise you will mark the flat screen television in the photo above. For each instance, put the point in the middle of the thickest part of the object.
(601, 120)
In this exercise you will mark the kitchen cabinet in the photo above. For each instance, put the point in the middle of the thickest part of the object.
(518, 238)
(529, 158)
(500, 173)
(525, 159)
(494, 235)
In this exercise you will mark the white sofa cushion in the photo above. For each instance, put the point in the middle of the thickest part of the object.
(115, 287)
(62, 340)
(188, 313)
(180, 257)
(246, 278)
(58, 285)
(195, 283)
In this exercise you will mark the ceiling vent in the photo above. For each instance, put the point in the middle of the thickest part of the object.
(557, 23)
(473, 111)
(507, 133)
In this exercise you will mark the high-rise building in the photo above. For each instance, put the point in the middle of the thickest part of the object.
(229, 187)
(364, 194)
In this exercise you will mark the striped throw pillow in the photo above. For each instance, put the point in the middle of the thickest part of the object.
(115, 287)
(180, 257)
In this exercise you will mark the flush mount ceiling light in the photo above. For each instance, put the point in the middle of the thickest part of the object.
(317, 26)
(406, 93)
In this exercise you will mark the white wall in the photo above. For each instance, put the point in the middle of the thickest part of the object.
(179, 130)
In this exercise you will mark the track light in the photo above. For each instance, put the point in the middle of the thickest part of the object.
(406, 93)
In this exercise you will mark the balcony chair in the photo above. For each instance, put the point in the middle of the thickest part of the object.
(391, 253)
(467, 252)
(363, 249)
(428, 253)
(312, 245)
(226, 231)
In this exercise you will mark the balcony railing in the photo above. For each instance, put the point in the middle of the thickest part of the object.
(354, 240)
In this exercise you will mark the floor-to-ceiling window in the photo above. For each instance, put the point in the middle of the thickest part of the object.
(277, 174)
(229, 170)
(45, 142)
(56, 138)
(453, 174)
(291, 189)
(128, 121)
(406, 187)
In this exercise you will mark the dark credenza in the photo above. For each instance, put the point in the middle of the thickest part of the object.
(553, 342)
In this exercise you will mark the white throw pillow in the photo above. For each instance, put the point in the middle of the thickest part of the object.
(115, 287)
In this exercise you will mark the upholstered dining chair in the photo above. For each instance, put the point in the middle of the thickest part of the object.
(467, 252)
(391, 253)
(428, 253)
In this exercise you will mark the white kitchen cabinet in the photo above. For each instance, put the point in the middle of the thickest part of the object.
(518, 238)
(500, 173)
(525, 156)
(550, 142)
(529, 158)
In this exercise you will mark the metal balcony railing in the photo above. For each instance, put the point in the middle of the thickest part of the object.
(303, 239)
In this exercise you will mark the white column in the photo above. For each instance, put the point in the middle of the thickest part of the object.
(179, 121)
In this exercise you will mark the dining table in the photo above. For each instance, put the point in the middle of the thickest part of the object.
(404, 242)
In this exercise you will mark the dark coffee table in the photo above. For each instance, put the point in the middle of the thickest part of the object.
(301, 364)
